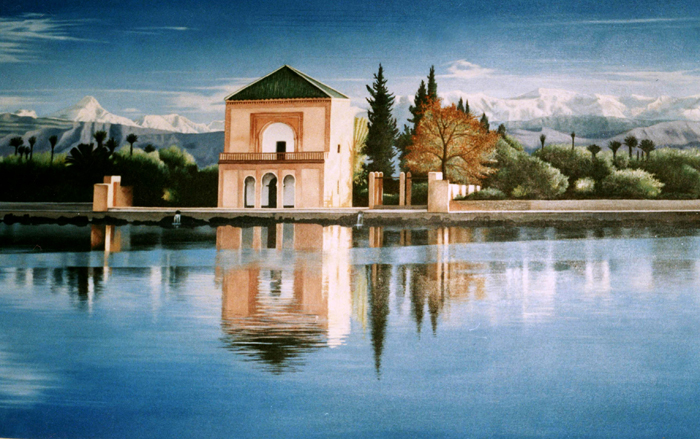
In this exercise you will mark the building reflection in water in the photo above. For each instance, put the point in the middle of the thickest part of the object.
(275, 311)
(288, 289)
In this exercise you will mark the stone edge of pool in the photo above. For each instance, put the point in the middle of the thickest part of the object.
(548, 213)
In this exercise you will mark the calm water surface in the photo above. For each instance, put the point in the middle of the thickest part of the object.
(309, 331)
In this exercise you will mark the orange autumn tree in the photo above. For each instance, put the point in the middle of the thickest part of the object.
(450, 141)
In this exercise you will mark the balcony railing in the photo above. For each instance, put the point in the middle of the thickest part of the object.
(255, 157)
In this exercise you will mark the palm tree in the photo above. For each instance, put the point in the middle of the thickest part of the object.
(53, 140)
(100, 137)
(631, 143)
(32, 142)
(594, 149)
(647, 146)
(132, 138)
(573, 136)
(542, 139)
(614, 145)
(23, 150)
(16, 142)
(88, 162)
(111, 145)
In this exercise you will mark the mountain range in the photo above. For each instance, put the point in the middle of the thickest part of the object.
(595, 118)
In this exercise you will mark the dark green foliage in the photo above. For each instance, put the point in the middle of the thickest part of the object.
(501, 130)
(382, 126)
(466, 106)
(647, 146)
(172, 180)
(575, 164)
(87, 164)
(614, 145)
(594, 149)
(149, 148)
(42, 180)
(513, 143)
(146, 173)
(16, 142)
(521, 175)
(403, 141)
(53, 140)
(432, 85)
(100, 137)
(460, 105)
(631, 142)
(487, 194)
(419, 193)
(678, 170)
(132, 138)
(573, 136)
(485, 121)
(32, 142)
(631, 183)
(543, 138)
(419, 103)
(111, 145)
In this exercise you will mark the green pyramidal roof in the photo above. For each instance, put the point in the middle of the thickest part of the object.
(285, 83)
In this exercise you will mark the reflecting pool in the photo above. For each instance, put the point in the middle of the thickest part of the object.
(299, 330)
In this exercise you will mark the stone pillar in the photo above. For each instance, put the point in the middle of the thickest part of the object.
(402, 189)
(409, 188)
(370, 190)
(380, 185)
(100, 197)
(438, 193)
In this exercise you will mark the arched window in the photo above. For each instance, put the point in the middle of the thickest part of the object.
(288, 191)
(249, 193)
(268, 197)
(278, 137)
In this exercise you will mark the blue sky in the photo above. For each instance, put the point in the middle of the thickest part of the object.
(162, 57)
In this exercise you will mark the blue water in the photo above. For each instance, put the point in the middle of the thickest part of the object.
(310, 331)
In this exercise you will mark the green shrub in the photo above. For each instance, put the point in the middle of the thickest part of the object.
(523, 176)
(584, 186)
(486, 194)
(678, 170)
(631, 183)
(576, 164)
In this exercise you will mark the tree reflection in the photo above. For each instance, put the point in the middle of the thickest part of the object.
(85, 284)
(380, 281)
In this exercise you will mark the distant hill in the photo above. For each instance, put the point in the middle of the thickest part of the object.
(205, 147)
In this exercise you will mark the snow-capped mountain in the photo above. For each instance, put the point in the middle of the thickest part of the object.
(89, 110)
(172, 122)
(25, 113)
(216, 125)
(543, 102)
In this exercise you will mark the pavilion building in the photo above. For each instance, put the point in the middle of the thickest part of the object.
(288, 144)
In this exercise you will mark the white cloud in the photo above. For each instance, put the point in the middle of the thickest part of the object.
(634, 21)
(175, 28)
(19, 36)
(679, 77)
(463, 69)
(12, 103)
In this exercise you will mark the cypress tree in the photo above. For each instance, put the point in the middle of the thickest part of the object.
(466, 106)
(382, 126)
(460, 105)
(432, 85)
(419, 105)
(485, 121)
